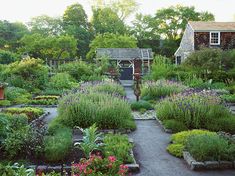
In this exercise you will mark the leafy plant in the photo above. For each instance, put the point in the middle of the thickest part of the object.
(17, 95)
(141, 104)
(229, 98)
(174, 125)
(176, 149)
(16, 170)
(119, 146)
(92, 140)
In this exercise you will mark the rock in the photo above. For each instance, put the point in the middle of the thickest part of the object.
(212, 164)
(225, 164)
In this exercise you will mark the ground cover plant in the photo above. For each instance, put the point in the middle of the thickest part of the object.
(85, 109)
(31, 113)
(230, 98)
(179, 141)
(201, 109)
(140, 105)
(44, 100)
(152, 90)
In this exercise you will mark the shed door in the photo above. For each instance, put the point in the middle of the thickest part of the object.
(126, 73)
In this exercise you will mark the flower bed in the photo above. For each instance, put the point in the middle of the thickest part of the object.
(44, 100)
(203, 109)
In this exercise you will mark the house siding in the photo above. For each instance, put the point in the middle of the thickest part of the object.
(227, 40)
(201, 39)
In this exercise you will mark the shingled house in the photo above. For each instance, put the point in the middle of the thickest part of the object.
(128, 60)
(205, 34)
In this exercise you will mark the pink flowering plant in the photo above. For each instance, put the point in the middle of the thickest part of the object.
(98, 166)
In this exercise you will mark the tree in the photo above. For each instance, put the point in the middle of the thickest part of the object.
(10, 34)
(46, 25)
(124, 8)
(171, 22)
(107, 21)
(75, 23)
(111, 41)
(39, 46)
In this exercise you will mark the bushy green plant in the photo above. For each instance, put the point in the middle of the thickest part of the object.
(58, 145)
(210, 148)
(105, 110)
(119, 146)
(195, 110)
(229, 98)
(174, 125)
(44, 100)
(223, 124)
(92, 140)
(7, 57)
(17, 95)
(16, 170)
(61, 81)
(137, 105)
(160, 89)
(5, 103)
(176, 149)
(77, 69)
(179, 141)
(32, 113)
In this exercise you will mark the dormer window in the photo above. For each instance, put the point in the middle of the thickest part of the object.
(214, 38)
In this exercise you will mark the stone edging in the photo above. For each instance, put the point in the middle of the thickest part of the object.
(39, 106)
(42, 117)
(163, 127)
(139, 118)
(206, 165)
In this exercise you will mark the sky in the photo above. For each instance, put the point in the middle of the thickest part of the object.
(24, 10)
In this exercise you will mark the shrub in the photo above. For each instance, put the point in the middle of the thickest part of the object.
(209, 148)
(141, 105)
(7, 57)
(17, 95)
(44, 100)
(58, 145)
(15, 169)
(160, 89)
(229, 98)
(5, 103)
(195, 110)
(174, 125)
(85, 109)
(119, 146)
(61, 81)
(77, 69)
(176, 150)
(32, 113)
(222, 124)
(180, 139)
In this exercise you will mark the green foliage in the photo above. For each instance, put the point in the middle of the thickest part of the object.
(161, 67)
(17, 95)
(119, 146)
(111, 41)
(44, 100)
(32, 113)
(180, 140)
(16, 170)
(137, 105)
(52, 47)
(29, 74)
(79, 70)
(229, 98)
(223, 124)
(194, 110)
(83, 110)
(58, 145)
(106, 20)
(161, 88)
(176, 150)
(61, 81)
(174, 125)
(91, 141)
(210, 148)
(5, 103)
(7, 57)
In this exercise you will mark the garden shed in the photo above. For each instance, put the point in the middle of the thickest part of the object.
(128, 60)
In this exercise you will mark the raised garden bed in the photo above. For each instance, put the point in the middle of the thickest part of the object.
(44, 101)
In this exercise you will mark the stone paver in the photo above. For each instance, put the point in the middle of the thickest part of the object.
(150, 151)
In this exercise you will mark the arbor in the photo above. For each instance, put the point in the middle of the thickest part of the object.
(108, 40)
(75, 23)
(39, 46)
(107, 21)
(46, 25)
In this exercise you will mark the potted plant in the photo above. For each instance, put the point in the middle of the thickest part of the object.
(2, 87)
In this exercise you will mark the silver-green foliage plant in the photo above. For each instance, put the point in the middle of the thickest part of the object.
(92, 140)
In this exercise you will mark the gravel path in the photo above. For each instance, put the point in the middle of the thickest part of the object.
(52, 115)
(150, 151)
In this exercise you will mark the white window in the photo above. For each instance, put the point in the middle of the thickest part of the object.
(214, 38)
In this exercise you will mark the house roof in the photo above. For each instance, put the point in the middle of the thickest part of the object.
(125, 53)
(212, 26)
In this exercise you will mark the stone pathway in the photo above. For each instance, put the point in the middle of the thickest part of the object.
(150, 152)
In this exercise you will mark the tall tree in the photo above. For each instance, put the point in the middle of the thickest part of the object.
(46, 25)
(107, 21)
(75, 23)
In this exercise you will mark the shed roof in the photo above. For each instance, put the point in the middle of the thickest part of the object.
(212, 26)
(125, 53)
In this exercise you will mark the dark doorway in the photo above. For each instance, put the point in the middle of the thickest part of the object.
(126, 73)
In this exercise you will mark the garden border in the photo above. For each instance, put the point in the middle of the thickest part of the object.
(39, 106)
(163, 127)
(207, 165)
(152, 118)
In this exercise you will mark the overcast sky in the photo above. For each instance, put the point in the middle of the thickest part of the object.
(23, 10)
